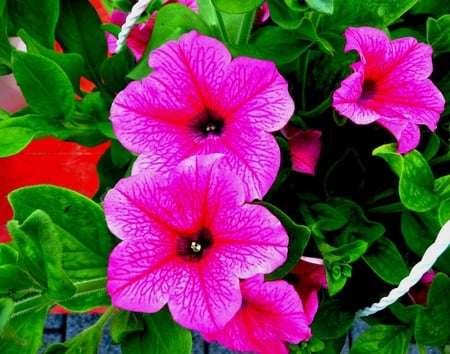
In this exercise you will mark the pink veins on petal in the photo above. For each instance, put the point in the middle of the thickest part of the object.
(271, 314)
(199, 101)
(390, 85)
(187, 239)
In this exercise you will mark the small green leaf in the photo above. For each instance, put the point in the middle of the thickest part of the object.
(327, 217)
(161, 335)
(383, 339)
(433, 322)
(395, 160)
(237, 6)
(416, 185)
(115, 69)
(386, 261)
(45, 86)
(324, 6)
(14, 139)
(6, 310)
(283, 15)
(13, 280)
(124, 323)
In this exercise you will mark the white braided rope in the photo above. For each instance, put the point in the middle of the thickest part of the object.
(137, 10)
(429, 258)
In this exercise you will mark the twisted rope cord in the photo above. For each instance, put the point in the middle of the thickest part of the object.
(429, 258)
(137, 10)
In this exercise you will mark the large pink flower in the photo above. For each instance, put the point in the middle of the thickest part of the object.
(188, 237)
(390, 85)
(305, 148)
(271, 315)
(141, 33)
(198, 101)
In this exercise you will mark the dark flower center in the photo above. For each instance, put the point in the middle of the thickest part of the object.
(206, 123)
(193, 247)
(369, 89)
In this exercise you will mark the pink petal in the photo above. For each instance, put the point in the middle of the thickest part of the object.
(407, 134)
(140, 274)
(253, 90)
(305, 148)
(270, 316)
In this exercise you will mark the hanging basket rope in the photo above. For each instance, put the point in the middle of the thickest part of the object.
(136, 12)
(429, 258)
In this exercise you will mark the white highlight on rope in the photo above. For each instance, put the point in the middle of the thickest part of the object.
(429, 258)
(136, 12)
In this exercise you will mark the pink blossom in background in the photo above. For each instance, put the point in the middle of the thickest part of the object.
(419, 292)
(262, 14)
(305, 148)
(270, 316)
(11, 97)
(390, 85)
(199, 101)
(187, 239)
(308, 277)
(140, 34)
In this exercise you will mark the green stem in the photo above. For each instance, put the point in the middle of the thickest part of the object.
(222, 27)
(246, 27)
(387, 209)
(421, 348)
(317, 110)
(105, 316)
(439, 160)
(303, 80)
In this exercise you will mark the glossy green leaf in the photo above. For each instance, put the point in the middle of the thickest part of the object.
(237, 6)
(388, 153)
(5, 47)
(161, 335)
(385, 260)
(124, 323)
(45, 86)
(37, 18)
(8, 254)
(332, 320)
(420, 231)
(14, 139)
(71, 63)
(283, 15)
(433, 322)
(324, 6)
(298, 239)
(366, 13)
(38, 239)
(383, 339)
(78, 31)
(6, 310)
(23, 334)
(438, 34)
(416, 185)
(14, 280)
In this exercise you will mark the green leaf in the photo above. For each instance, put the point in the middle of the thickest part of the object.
(298, 239)
(13, 280)
(37, 18)
(237, 6)
(78, 31)
(366, 13)
(23, 334)
(71, 63)
(416, 185)
(161, 335)
(395, 160)
(283, 15)
(45, 86)
(438, 34)
(383, 339)
(8, 254)
(433, 322)
(14, 139)
(124, 323)
(5, 47)
(444, 211)
(386, 261)
(332, 320)
(39, 237)
(115, 69)
(6, 310)
(324, 6)
(420, 231)
(327, 217)
(86, 241)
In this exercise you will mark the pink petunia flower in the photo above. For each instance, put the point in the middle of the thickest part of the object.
(305, 148)
(198, 101)
(390, 85)
(308, 276)
(271, 315)
(187, 239)
(419, 292)
(140, 34)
